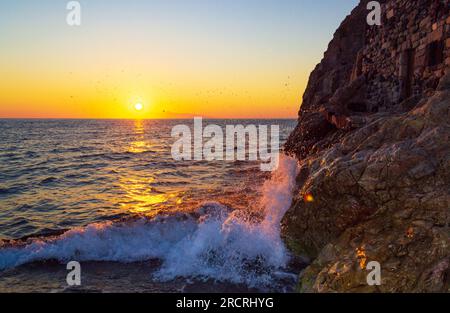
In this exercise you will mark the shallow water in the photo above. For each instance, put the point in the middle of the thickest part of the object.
(108, 194)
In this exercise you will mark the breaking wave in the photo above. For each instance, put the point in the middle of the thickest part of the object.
(215, 242)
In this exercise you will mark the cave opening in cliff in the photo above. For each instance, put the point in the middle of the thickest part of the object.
(435, 53)
(410, 56)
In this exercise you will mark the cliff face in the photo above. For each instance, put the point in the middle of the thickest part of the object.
(373, 145)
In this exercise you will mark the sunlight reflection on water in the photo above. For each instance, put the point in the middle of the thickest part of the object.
(59, 174)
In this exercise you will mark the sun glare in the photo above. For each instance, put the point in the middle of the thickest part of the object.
(138, 106)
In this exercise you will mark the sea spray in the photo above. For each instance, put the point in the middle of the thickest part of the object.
(214, 243)
(277, 192)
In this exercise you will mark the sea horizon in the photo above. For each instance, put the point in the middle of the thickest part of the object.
(128, 118)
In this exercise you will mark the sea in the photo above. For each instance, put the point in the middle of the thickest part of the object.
(109, 195)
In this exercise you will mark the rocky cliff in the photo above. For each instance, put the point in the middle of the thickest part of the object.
(373, 145)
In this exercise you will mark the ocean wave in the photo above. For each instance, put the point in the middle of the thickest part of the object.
(49, 180)
(215, 242)
(10, 190)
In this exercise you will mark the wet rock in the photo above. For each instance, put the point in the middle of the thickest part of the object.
(374, 179)
(388, 192)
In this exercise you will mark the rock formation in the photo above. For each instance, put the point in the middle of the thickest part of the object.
(373, 145)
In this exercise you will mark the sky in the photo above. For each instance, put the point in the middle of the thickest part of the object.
(178, 58)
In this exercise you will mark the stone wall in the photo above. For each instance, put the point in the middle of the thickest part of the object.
(406, 55)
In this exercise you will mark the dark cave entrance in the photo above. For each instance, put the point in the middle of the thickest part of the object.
(410, 56)
(435, 53)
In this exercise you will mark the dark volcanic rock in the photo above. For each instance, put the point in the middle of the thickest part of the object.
(330, 75)
(374, 152)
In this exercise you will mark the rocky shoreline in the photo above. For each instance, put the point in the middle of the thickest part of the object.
(373, 145)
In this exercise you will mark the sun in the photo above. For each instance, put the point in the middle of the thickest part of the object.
(138, 106)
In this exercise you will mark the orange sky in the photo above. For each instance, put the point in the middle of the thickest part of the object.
(179, 59)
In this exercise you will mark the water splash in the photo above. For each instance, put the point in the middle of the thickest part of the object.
(215, 242)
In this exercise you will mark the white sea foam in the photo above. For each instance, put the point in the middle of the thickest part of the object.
(216, 243)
